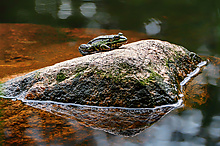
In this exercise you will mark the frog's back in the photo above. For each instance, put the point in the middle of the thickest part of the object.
(100, 38)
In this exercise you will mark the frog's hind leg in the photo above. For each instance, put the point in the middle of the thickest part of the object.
(104, 47)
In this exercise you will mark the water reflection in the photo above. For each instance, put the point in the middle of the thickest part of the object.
(65, 9)
(153, 27)
(47, 6)
(88, 9)
(61, 8)
(214, 128)
(179, 130)
(103, 18)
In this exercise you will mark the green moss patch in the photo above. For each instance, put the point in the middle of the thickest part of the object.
(153, 77)
(61, 77)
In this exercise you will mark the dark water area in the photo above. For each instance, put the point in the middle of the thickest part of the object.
(39, 33)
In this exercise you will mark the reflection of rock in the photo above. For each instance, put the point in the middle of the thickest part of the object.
(120, 121)
(140, 75)
(196, 92)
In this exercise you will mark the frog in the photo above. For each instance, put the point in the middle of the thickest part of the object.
(102, 44)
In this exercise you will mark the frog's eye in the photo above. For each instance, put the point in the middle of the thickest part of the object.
(120, 34)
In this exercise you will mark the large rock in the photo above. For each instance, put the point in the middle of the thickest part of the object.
(141, 74)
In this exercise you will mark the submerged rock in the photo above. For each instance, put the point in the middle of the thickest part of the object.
(142, 74)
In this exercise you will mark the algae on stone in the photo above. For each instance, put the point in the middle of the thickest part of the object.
(61, 77)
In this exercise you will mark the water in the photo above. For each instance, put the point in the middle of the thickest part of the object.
(193, 24)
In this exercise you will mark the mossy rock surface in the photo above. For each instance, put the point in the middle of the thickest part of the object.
(141, 74)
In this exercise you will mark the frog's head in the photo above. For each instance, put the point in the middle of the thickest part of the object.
(119, 38)
(83, 49)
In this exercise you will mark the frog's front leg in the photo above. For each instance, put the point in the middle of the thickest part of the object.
(104, 47)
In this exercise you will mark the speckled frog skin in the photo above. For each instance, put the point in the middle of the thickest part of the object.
(102, 43)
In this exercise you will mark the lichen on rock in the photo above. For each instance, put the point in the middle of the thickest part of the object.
(141, 74)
